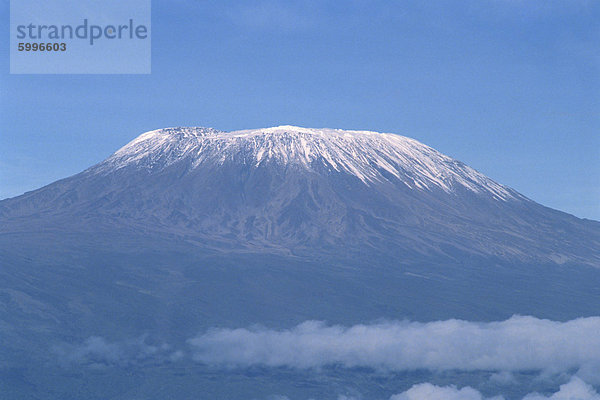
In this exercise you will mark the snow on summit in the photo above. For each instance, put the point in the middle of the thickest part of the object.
(369, 156)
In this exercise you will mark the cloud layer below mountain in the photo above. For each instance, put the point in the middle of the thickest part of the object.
(505, 350)
(575, 389)
(517, 344)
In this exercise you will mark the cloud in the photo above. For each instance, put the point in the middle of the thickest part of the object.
(575, 389)
(519, 343)
(503, 378)
(590, 372)
(432, 392)
(97, 351)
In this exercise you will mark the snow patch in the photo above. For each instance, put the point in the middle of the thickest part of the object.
(369, 156)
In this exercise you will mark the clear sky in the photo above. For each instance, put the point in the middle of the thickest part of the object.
(510, 87)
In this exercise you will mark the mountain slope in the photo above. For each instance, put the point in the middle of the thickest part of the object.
(297, 189)
(188, 229)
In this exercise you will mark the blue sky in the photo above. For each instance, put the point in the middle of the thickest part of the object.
(511, 87)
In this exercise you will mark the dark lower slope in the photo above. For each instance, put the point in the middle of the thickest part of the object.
(83, 285)
(277, 208)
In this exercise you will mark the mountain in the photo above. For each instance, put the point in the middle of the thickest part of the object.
(187, 229)
(296, 189)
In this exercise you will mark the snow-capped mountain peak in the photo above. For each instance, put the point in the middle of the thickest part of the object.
(371, 157)
(297, 189)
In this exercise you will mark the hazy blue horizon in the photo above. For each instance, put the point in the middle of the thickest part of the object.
(510, 88)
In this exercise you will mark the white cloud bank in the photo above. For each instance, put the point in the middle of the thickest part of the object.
(575, 389)
(432, 392)
(519, 343)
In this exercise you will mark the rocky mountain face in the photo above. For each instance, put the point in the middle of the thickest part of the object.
(303, 190)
